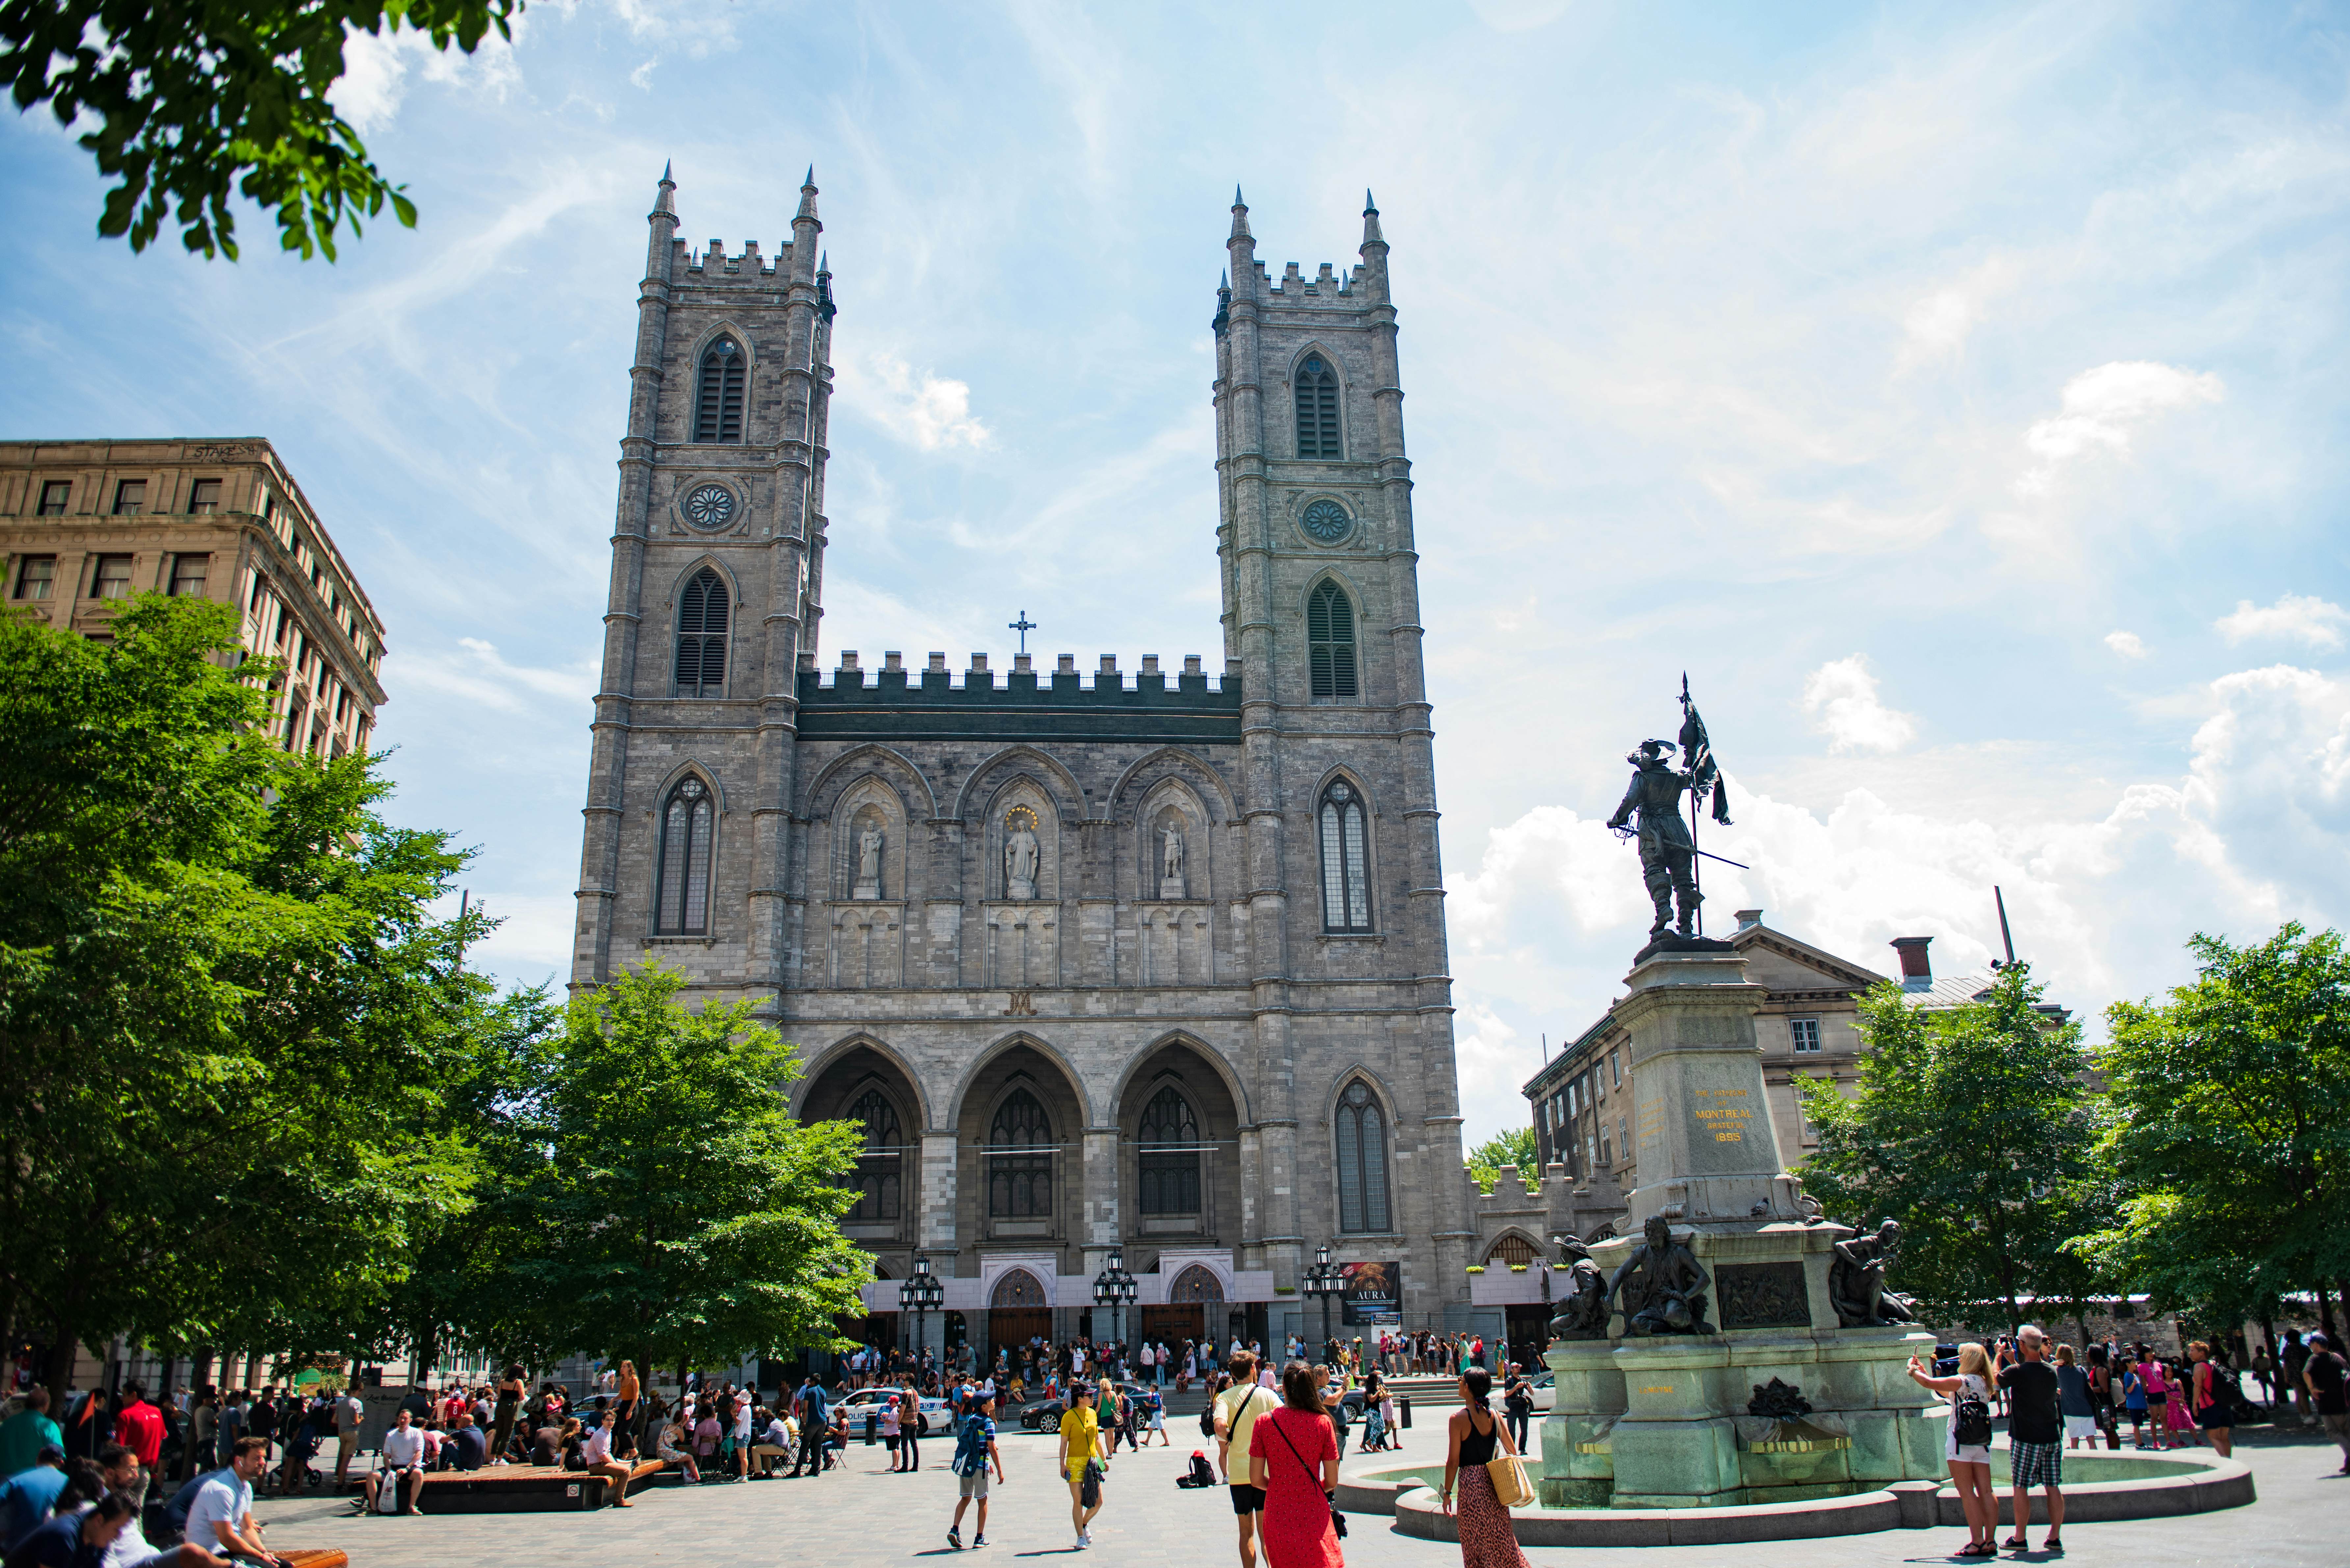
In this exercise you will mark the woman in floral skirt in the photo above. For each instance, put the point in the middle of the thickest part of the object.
(1488, 1539)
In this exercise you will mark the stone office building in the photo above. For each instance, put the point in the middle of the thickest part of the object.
(1150, 961)
(88, 523)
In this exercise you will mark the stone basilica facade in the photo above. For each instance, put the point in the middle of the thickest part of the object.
(1152, 961)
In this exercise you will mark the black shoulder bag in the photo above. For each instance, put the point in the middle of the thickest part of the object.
(1337, 1520)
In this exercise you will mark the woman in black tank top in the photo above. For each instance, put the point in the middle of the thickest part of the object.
(1488, 1540)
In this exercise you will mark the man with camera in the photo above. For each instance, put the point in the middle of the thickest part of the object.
(2035, 1431)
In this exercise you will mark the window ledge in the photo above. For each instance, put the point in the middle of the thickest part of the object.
(707, 941)
(1354, 936)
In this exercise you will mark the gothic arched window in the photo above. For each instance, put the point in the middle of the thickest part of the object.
(717, 395)
(702, 636)
(1362, 1160)
(881, 1169)
(1170, 1156)
(683, 878)
(1020, 1161)
(1317, 409)
(1346, 879)
(1330, 641)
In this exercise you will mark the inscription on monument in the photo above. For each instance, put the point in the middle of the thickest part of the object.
(1763, 1295)
(1722, 1112)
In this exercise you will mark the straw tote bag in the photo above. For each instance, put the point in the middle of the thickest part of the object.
(1508, 1473)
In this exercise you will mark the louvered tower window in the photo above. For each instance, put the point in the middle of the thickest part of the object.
(718, 401)
(1170, 1156)
(1330, 641)
(881, 1169)
(683, 878)
(1317, 409)
(1362, 1160)
(1346, 885)
(702, 636)
(1020, 1159)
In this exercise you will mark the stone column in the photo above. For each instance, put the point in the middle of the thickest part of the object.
(1098, 1215)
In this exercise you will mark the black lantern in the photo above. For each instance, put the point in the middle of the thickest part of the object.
(1325, 1280)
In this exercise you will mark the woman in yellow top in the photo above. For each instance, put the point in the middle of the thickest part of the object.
(1080, 1447)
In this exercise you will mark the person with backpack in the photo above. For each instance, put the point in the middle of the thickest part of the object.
(1235, 1408)
(1967, 1447)
(975, 1451)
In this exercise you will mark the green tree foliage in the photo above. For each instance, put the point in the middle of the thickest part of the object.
(225, 1013)
(1973, 1128)
(2232, 1137)
(1515, 1146)
(683, 1215)
(191, 101)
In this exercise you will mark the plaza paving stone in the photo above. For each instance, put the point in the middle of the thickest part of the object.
(867, 1515)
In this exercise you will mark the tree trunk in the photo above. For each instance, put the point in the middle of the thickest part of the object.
(2325, 1311)
(63, 1350)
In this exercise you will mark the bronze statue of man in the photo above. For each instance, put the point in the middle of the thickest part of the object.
(1666, 851)
(1856, 1281)
(1660, 1288)
(1582, 1311)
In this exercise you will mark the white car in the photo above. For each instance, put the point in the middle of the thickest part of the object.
(934, 1414)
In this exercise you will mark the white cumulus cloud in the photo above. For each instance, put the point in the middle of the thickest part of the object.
(2102, 407)
(928, 410)
(2302, 618)
(375, 71)
(1841, 698)
(2128, 644)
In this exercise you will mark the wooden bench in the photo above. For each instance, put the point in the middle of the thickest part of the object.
(316, 1557)
(520, 1489)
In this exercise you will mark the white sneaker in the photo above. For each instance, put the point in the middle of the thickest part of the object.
(1082, 1542)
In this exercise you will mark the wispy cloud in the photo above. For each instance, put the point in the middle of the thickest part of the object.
(2128, 644)
(923, 407)
(1841, 698)
(2296, 618)
(2103, 407)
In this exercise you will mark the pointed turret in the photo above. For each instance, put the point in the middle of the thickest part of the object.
(663, 220)
(807, 198)
(1371, 235)
(1240, 215)
(1224, 303)
(1374, 252)
(665, 194)
(824, 306)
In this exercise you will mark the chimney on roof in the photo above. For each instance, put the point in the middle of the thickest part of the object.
(1917, 969)
(1749, 917)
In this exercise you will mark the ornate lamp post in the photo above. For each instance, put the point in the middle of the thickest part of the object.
(922, 1293)
(1325, 1280)
(1116, 1289)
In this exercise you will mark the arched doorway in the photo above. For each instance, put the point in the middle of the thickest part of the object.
(1193, 1302)
(1017, 1311)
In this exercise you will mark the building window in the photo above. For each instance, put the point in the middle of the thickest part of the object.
(129, 497)
(1606, 1150)
(188, 576)
(1362, 1160)
(1330, 641)
(1806, 1032)
(1170, 1156)
(1513, 1251)
(55, 493)
(1317, 409)
(36, 576)
(1020, 1161)
(684, 864)
(1614, 1070)
(702, 636)
(718, 404)
(1345, 884)
(113, 578)
(203, 497)
(880, 1168)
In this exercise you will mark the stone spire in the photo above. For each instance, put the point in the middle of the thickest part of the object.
(807, 199)
(1371, 235)
(1375, 249)
(1240, 215)
(1224, 303)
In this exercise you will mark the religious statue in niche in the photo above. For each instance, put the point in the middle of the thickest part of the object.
(1856, 1281)
(1171, 857)
(1660, 1288)
(868, 862)
(1020, 854)
(1583, 1312)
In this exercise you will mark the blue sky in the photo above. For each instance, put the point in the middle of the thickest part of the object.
(1956, 393)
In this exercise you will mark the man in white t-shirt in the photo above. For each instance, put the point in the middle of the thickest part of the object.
(221, 1518)
(403, 1462)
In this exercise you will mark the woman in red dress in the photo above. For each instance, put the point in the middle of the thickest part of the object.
(1488, 1539)
(1294, 1460)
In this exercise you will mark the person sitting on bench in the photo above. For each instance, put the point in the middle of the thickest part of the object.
(403, 1462)
(597, 1452)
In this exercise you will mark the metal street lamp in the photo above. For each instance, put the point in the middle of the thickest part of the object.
(1116, 1289)
(1325, 1280)
(920, 1294)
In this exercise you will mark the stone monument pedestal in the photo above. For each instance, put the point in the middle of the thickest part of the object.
(1171, 889)
(1773, 1402)
(866, 890)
